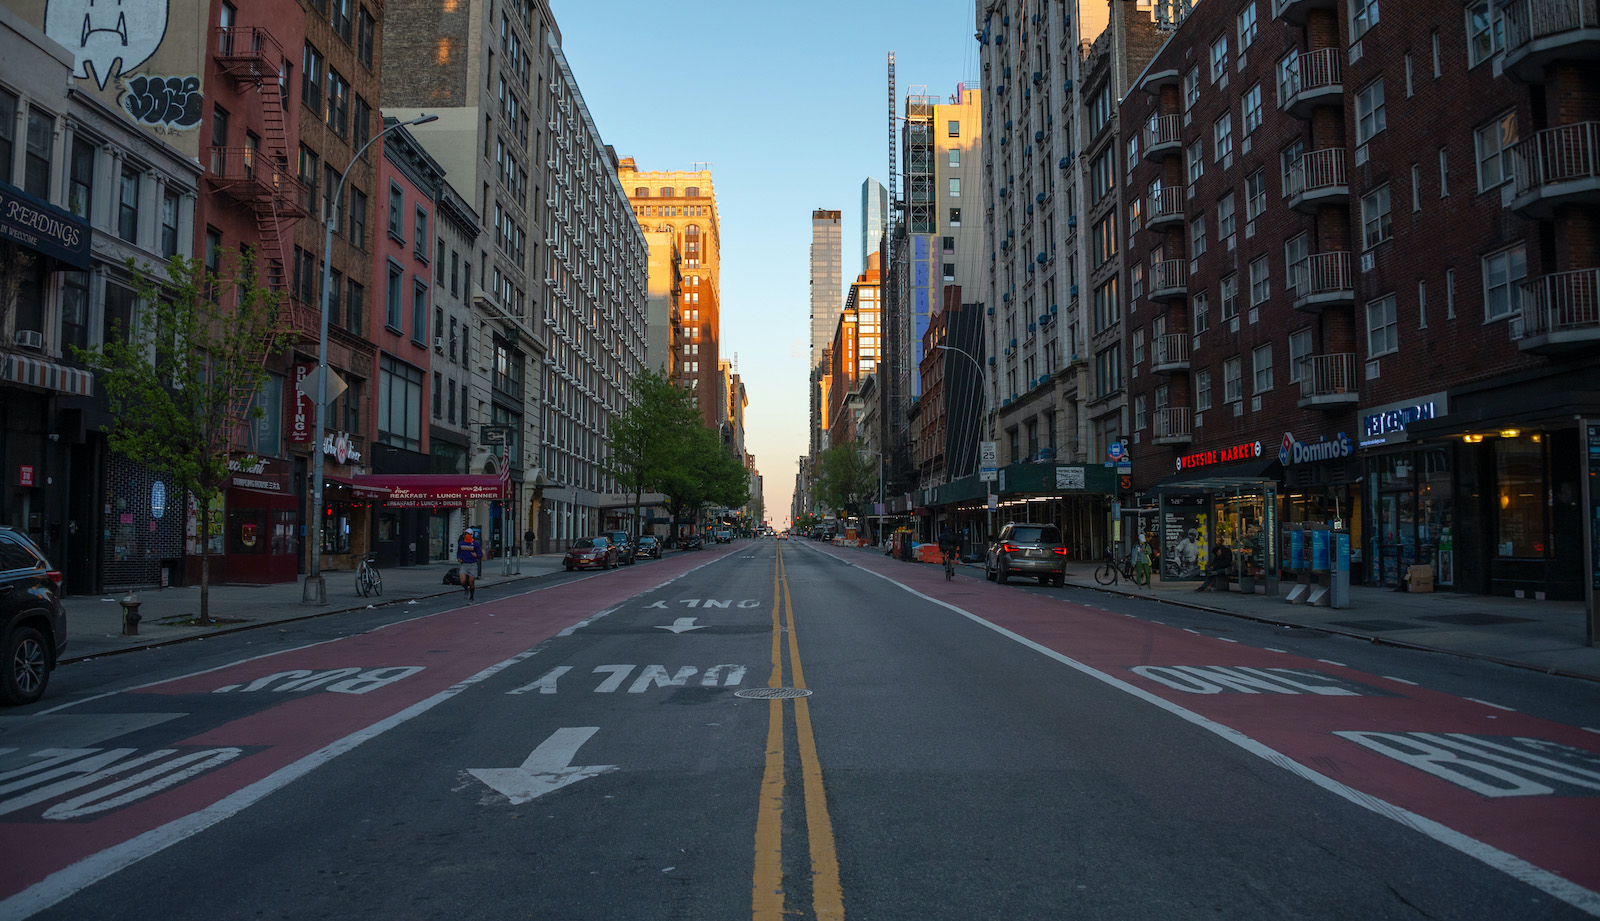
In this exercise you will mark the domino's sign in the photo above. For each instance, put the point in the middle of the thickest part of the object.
(1300, 452)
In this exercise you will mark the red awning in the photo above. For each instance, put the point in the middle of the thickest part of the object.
(358, 490)
(412, 489)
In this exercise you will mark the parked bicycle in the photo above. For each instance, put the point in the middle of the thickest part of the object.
(368, 580)
(1137, 572)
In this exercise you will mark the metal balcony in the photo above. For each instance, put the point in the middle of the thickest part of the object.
(1169, 280)
(1164, 137)
(1318, 178)
(248, 54)
(1296, 11)
(258, 182)
(1323, 280)
(1539, 32)
(1329, 381)
(1169, 353)
(1555, 167)
(1561, 312)
(1166, 207)
(1316, 81)
(1173, 425)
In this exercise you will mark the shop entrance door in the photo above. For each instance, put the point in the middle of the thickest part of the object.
(1397, 537)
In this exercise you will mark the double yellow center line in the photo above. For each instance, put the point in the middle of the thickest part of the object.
(767, 895)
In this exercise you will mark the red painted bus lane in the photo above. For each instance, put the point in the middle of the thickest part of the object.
(88, 811)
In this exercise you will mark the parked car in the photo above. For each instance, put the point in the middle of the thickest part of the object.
(1025, 548)
(32, 623)
(624, 545)
(650, 547)
(723, 536)
(692, 542)
(597, 551)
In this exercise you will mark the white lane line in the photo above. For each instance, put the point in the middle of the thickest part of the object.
(66, 882)
(1488, 704)
(1402, 681)
(1279, 651)
(1224, 639)
(1331, 662)
(1591, 729)
(1585, 900)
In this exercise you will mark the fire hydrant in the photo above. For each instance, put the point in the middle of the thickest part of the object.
(130, 614)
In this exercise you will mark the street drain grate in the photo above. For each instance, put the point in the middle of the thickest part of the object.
(772, 693)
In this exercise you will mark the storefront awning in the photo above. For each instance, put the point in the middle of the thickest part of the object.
(1224, 476)
(413, 489)
(47, 375)
(358, 490)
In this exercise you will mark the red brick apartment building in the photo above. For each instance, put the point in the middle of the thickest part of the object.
(1364, 250)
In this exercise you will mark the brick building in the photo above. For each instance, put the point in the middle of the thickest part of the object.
(1367, 306)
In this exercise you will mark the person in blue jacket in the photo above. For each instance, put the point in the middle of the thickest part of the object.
(470, 555)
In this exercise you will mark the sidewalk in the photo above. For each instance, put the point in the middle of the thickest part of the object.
(94, 622)
(1545, 635)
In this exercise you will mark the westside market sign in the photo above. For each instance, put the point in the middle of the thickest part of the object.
(1240, 452)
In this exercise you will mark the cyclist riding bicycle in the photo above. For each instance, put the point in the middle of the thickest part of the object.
(949, 545)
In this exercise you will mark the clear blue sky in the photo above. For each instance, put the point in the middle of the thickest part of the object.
(789, 104)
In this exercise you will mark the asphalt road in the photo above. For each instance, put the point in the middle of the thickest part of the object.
(579, 751)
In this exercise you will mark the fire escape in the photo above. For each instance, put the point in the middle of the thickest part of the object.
(256, 176)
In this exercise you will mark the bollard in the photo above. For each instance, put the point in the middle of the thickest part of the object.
(130, 614)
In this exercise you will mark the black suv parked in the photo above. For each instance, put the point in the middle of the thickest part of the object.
(32, 625)
(625, 547)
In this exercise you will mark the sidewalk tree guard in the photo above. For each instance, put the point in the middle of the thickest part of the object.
(181, 382)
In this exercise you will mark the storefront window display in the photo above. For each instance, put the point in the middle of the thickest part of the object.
(336, 527)
(1413, 516)
(1522, 524)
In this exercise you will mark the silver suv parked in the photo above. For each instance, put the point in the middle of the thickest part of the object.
(1028, 549)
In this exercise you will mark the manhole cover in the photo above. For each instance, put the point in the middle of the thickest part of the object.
(772, 693)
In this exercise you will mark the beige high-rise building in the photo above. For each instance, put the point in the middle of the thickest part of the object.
(683, 203)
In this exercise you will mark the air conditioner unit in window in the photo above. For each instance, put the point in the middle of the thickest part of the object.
(29, 339)
(438, 344)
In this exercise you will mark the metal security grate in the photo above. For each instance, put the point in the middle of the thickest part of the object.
(772, 693)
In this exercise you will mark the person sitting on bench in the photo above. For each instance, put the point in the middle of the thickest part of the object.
(1217, 574)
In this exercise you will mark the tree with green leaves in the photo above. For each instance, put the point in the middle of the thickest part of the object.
(704, 474)
(180, 382)
(647, 440)
(846, 476)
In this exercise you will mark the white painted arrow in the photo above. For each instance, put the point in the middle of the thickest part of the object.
(548, 768)
(681, 624)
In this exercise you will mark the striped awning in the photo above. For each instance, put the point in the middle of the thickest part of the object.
(46, 375)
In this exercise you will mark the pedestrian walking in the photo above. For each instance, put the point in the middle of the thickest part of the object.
(527, 541)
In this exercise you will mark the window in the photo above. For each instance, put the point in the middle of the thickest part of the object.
(1191, 87)
(1197, 236)
(8, 127)
(1486, 34)
(1523, 503)
(419, 240)
(1444, 174)
(1247, 26)
(955, 157)
(1299, 355)
(1261, 368)
(394, 298)
(1103, 174)
(1363, 16)
(1136, 281)
(1219, 58)
(1260, 281)
(118, 313)
(366, 29)
(1288, 77)
(1492, 144)
(308, 178)
(419, 311)
(80, 181)
(947, 244)
(340, 15)
(170, 202)
(1223, 133)
(1250, 108)
(1416, 188)
(358, 218)
(1375, 223)
(399, 403)
(128, 204)
(1197, 161)
(1107, 310)
(1226, 221)
(1139, 413)
(1501, 273)
(1201, 308)
(338, 102)
(1099, 110)
(1105, 238)
(1202, 391)
(1295, 252)
(74, 310)
(1108, 371)
(360, 124)
(1369, 111)
(955, 187)
(1230, 297)
(1289, 159)
(36, 162)
(354, 306)
(1232, 384)
(397, 204)
(955, 217)
(311, 82)
(1383, 330)
(1138, 347)
(955, 128)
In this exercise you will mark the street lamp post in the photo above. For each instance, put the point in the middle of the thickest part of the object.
(315, 589)
(983, 388)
